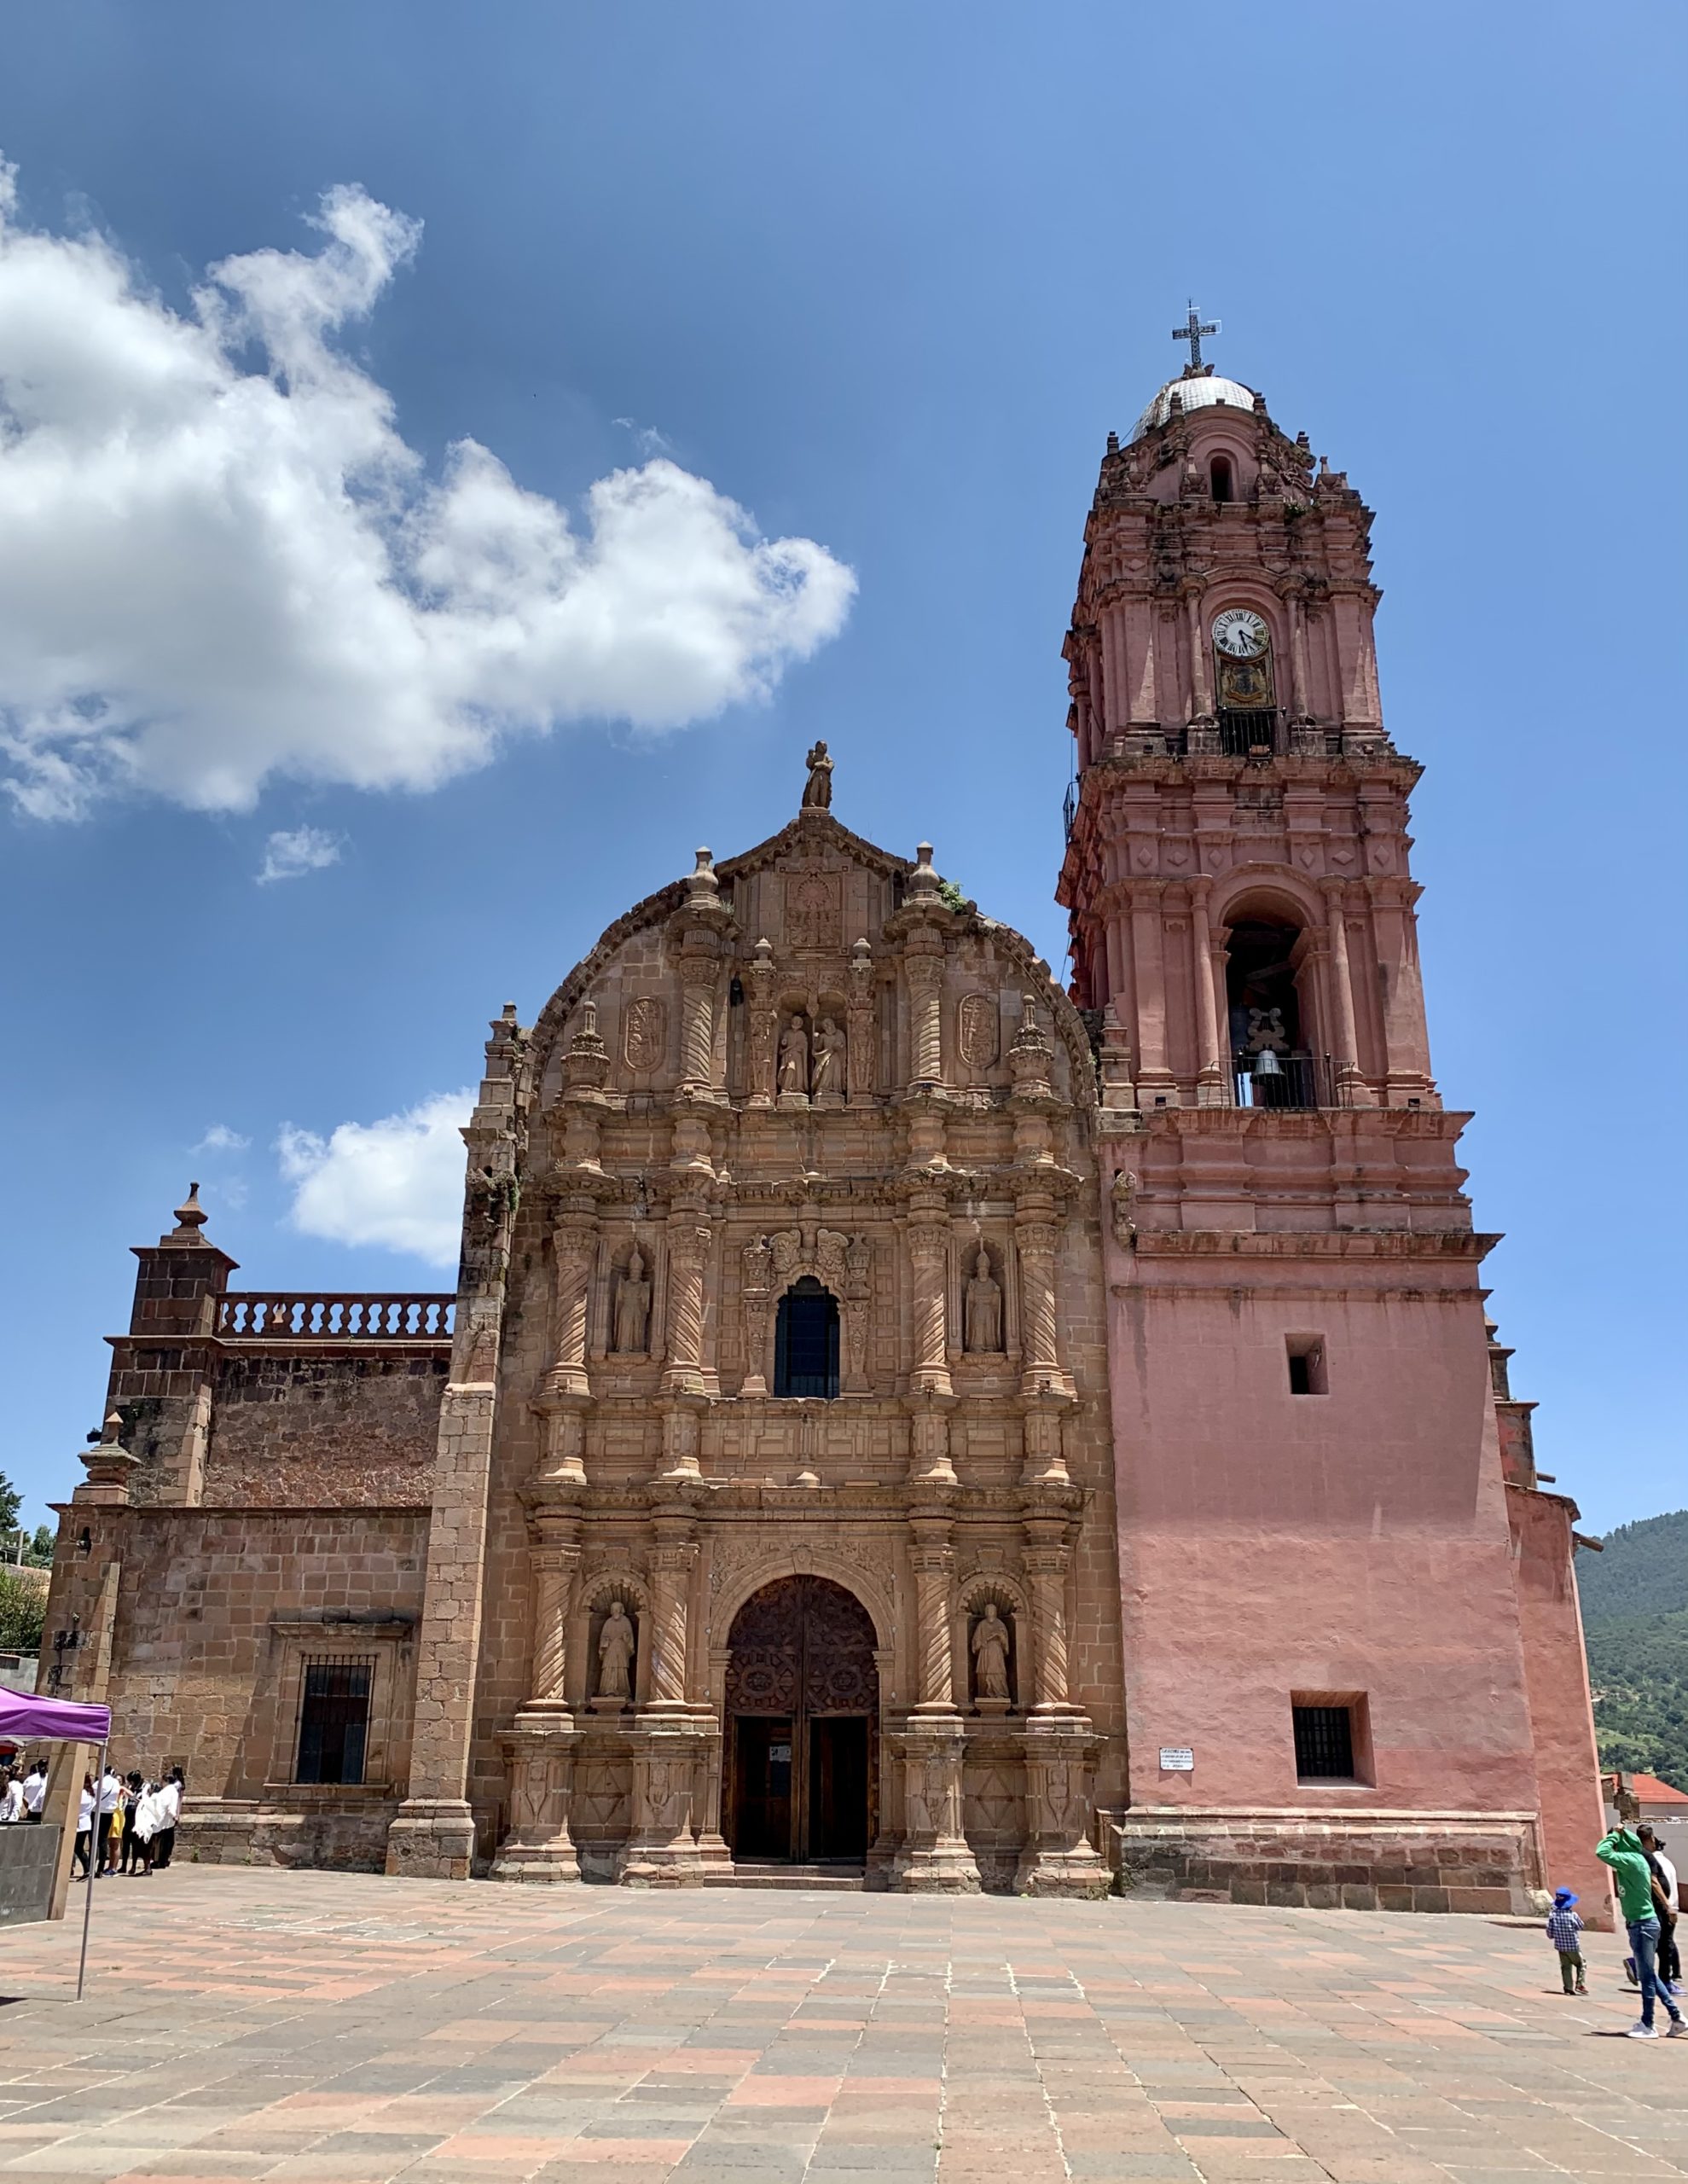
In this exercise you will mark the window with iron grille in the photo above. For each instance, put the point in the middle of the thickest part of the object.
(333, 1720)
(806, 1341)
(1324, 1743)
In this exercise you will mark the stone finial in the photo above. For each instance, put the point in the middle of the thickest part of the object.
(586, 1063)
(923, 881)
(1113, 443)
(113, 1426)
(701, 884)
(761, 955)
(190, 1218)
(109, 1465)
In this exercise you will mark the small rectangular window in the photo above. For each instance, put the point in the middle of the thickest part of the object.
(1306, 1364)
(1325, 1741)
(334, 1720)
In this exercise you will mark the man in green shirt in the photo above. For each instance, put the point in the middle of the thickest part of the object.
(1633, 1875)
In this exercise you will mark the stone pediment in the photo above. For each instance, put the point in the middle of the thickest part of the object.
(814, 838)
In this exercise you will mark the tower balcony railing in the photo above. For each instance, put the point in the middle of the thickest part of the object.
(1241, 734)
(1288, 1080)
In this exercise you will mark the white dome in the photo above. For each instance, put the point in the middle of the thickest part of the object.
(1199, 393)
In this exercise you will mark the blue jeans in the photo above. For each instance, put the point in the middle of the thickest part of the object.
(1643, 1943)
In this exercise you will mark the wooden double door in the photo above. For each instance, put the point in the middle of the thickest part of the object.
(802, 1704)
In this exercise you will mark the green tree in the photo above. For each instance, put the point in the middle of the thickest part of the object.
(11, 1502)
(23, 1613)
(39, 1551)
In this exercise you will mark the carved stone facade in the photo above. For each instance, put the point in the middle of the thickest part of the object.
(887, 1416)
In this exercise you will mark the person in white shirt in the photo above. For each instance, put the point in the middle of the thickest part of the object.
(170, 1811)
(11, 1802)
(84, 1825)
(111, 1789)
(35, 1789)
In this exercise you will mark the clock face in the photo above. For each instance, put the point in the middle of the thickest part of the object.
(1241, 632)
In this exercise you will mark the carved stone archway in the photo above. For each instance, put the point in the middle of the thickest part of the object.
(803, 1705)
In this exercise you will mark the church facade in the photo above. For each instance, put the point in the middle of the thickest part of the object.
(898, 1420)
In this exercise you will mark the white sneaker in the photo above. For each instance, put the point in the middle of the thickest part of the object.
(1678, 2029)
(1638, 2031)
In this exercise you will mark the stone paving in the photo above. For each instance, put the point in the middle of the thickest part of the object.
(321, 2026)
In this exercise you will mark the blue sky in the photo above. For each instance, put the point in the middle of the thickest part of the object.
(884, 277)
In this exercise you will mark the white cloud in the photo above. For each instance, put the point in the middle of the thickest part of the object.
(291, 855)
(219, 1138)
(220, 561)
(396, 1182)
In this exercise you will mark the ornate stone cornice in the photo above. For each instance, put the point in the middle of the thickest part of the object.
(1314, 1244)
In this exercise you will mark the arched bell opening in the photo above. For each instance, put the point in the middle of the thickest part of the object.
(802, 1707)
(1271, 1062)
(806, 1341)
(1221, 479)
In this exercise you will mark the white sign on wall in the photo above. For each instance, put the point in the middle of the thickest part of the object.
(1177, 1759)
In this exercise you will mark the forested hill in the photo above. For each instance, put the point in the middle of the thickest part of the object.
(1635, 1613)
(1643, 1571)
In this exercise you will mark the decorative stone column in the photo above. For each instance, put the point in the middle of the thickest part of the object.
(1046, 1567)
(861, 1027)
(764, 1027)
(928, 1265)
(1059, 1858)
(699, 975)
(1201, 670)
(670, 1743)
(931, 1562)
(575, 1248)
(1351, 1089)
(688, 1244)
(933, 1858)
(670, 1567)
(923, 968)
(1212, 1065)
(1036, 1235)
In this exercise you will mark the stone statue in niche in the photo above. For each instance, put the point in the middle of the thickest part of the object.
(990, 1656)
(817, 790)
(794, 1060)
(617, 1641)
(982, 1308)
(828, 1080)
(632, 1327)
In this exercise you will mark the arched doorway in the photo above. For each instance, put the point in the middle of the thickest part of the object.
(803, 1705)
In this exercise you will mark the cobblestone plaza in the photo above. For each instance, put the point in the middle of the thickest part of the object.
(245, 2024)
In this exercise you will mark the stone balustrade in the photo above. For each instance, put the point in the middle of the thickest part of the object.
(260, 1315)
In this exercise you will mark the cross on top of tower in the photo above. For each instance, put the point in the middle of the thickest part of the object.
(1192, 331)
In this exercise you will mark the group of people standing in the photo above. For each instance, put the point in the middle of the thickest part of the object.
(127, 1824)
(1646, 1882)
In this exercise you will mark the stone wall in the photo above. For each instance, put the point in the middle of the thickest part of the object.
(1373, 1862)
(349, 1431)
(216, 1611)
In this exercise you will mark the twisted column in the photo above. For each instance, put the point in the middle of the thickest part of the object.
(931, 1562)
(696, 1027)
(929, 1261)
(689, 1243)
(925, 972)
(575, 1248)
(671, 1561)
(552, 1566)
(1046, 1564)
(1036, 1237)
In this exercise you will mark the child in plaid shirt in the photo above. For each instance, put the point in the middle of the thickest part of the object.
(1563, 1930)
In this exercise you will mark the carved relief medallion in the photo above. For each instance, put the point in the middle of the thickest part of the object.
(976, 1032)
(815, 910)
(643, 1036)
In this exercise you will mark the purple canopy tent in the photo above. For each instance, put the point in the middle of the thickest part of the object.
(24, 1715)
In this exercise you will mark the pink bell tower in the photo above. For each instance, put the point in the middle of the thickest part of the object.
(1353, 1653)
